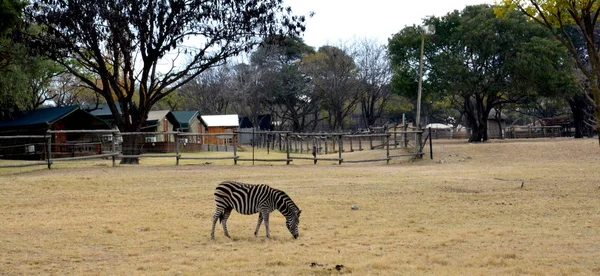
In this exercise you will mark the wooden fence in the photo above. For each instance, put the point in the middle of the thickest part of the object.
(108, 145)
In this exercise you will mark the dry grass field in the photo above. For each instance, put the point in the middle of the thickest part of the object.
(514, 207)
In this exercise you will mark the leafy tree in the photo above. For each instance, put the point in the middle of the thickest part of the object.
(289, 95)
(26, 80)
(482, 62)
(10, 14)
(335, 77)
(133, 48)
(559, 17)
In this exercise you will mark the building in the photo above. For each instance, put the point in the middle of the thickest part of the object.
(190, 123)
(220, 124)
(159, 124)
(496, 124)
(39, 121)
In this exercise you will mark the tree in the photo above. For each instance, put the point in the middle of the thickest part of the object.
(66, 89)
(10, 14)
(560, 16)
(335, 77)
(135, 48)
(374, 74)
(289, 95)
(209, 92)
(26, 80)
(483, 62)
(249, 92)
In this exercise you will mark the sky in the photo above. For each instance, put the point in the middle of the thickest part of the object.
(339, 21)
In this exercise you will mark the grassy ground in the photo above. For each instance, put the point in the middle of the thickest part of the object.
(508, 207)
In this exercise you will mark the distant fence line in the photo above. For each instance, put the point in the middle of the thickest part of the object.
(55, 146)
(511, 132)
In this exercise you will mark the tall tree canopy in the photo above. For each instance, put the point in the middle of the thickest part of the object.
(25, 77)
(140, 51)
(10, 14)
(558, 16)
(335, 77)
(482, 62)
(289, 95)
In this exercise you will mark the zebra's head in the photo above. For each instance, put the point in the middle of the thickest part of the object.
(292, 221)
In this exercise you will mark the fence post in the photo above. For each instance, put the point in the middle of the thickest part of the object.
(326, 144)
(340, 148)
(395, 137)
(113, 148)
(49, 150)
(430, 145)
(360, 143)
(544, 131)
(388, 147)
(235, 136)
(419, 141)
(287, 148)
(405, 134)
(176, 148)
(333, 143)
(351, 146)
(314, 151)
(404, 129)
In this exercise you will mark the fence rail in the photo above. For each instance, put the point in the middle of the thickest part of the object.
(108, 144)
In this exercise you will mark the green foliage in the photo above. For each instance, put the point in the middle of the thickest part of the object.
(25, 78)
(575, 25)
(335, 77)
(10, 14)
(127, 43)
(479, 61)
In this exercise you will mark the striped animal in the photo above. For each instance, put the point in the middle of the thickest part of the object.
(250, 199)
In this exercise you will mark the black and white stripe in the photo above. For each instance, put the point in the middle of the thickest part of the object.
(250, 199)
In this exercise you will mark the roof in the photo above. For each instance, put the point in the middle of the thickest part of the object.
(41, 116)
(154, 117)
(439, 126)
(221, 120)
(264, 122)
(102, 110)
(157, 115)
(185, 117)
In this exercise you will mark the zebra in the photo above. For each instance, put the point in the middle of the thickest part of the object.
(250, 199)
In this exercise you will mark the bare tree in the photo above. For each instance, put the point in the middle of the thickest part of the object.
(210, 92)
(374, 74)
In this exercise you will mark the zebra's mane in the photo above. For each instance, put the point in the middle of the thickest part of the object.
(287, 200)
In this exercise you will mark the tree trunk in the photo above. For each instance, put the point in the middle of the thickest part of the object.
(132, 145)
(580, 107)
(476, 116)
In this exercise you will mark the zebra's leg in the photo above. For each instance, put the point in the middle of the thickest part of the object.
(218, 213)
(226, 214)
(260, 219)
(265, 216)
